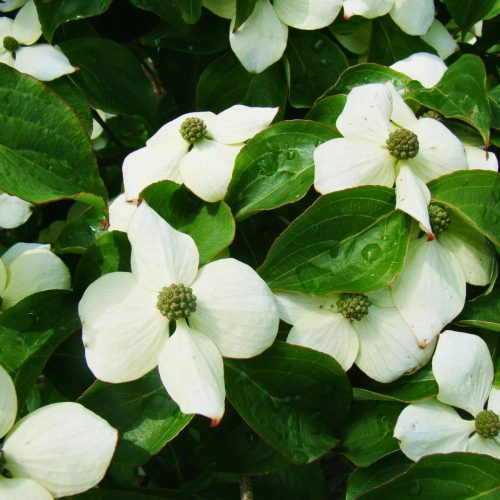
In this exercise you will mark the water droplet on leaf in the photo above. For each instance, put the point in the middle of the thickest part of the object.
(371, 252)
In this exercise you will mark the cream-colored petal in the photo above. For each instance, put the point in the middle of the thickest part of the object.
(192, 371)
(401, 112)
(35, 270)
(387, 347)
(494, 400)
(413, 196)
(207, 169)
(13, 211)
(121, 213)
(8, 402)
(7, 58)
(3, 277)
(463, 370)
(8, 5)
(440, 39)
(426, 68)
(345, 163)
(479, 159)
(235, 308)
(161, 255)
(367, 113)
(440, 152)
(307, 14)
(43, 62)
(477, 444)
(149, 165)
(431, 427)
(27, 28)
(367, 8)
(413, 16)
(122, 329)
(327, 332)
(292, 306)
(63, 446)
(6, 25)
(430, 291)
(19, 249)
(471, 249)
(239, 123)
(261, 40)
(221, 8)
(22, 489)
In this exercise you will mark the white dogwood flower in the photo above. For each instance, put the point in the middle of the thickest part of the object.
(13, 211)
(197, 149)
(261, 40)
(58, 450)
(42, 61)
(464, 372)
(222, 309)
(355, 328)
(27, 268)
(426, 68)
(412, 16)
(385, 143)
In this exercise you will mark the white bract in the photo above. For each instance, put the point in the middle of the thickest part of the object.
(13, 211)
(355, 328)
(27, 268)
(8, 5)
(222, 309)
(261, 40)
(42, 61)
(385, 143)
(464, 372)
(58, 450)
(197, 149)
(426, 68)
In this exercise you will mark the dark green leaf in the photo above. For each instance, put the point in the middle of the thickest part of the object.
(53, 13)
(315, 64)
(292, 396)
(327, 110)
(367, 435)
(352, 240)
(45, 152)
(211, 225)
(143, 411)
(456, 475)
(460, 94)
(111, 77)
(166, 9)
(475, 196)
(190, 10)
(483, 312)
(31, 330)
(226, 82)
(468, 12)
(244, 9)
(276, 166)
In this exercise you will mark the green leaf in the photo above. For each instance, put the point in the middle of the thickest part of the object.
(166, 9)
(315, 64)
(327, 110)
(111, 77)
(352, 240)
(31, 330)
(367, 435)
(483, 312)
(292, 396)
(276, 166)
(366, 478)
(408, 389)
(474, 195)
(211, 225)
(468, 12)
(56, 12)
(455, 475)
(460, 94)
(108, 254)
(362, 74)
(143, 411)
(45, 153)
(225, 82)
(244, 9)
(190, 10)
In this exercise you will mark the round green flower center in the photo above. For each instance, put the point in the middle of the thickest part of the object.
(402, 144)
(487, 424)
(193, 130)
(432, 114)
(440, 220)
(10, 44)
(176, 301)
(353, 305)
